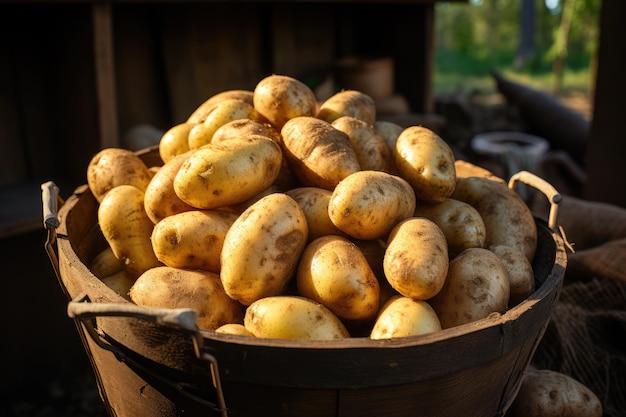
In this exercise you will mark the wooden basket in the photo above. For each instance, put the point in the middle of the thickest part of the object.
(151, 362)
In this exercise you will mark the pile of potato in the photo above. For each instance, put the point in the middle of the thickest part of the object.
(277, 216)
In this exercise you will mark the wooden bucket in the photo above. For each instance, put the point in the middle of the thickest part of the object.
(151, 362)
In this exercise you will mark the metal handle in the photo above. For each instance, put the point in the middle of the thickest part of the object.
(545, 187)
(86, 312)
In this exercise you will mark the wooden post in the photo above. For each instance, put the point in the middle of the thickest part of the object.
(105, 73)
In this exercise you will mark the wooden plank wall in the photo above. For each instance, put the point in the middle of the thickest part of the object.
(166, 58)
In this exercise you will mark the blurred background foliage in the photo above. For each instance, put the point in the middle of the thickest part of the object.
(549, 45)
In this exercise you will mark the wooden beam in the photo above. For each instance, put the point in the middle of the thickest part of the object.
(105, 73)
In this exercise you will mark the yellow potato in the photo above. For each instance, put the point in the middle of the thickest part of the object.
(547, 393)
(261, 249)
(105, 263)
(201, 112)
(115, 166)
(508, 220)
(280, 98)
(193, 239)
(348, 103)
(426, 162)
(371, 150)
(416, 258)
(461, 223)
(520, 271)
(368, 204)
(234, 328)
(306, 320)
(127, 228)
(229, 172)
(242, 127)
(314, 203)
(334, 272)
(466, 169)
(167, 287)
(318, 154)
(224, 112)
(160, 199)
(389, 131)
(175, 141)
(476, 286)
(403, 317)
(120, 282)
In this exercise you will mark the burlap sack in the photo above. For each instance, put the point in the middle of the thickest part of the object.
(585, 336)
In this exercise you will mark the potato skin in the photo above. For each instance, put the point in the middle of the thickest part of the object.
(403, 317)
(314, 204)
(416, 258)
(229, 172)
(193, 239)
(127, 228)
(243, 127)
(175, 141)
(520, 271)
(261, 249)
(105, 263)
(318, 154)
(111, 167)
(160, 198)
(476, 286)
(306, 319)
(547, 393)
(508, 220)
(348, 103)
(426, 161)
(371, 150)
(167, 287)
(460, 222)
(334, 272)
(223, 113)
(201, 112)
(368, 204)
(280, 98)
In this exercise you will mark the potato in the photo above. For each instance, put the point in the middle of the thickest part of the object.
(403, 317)
(120, 282)
(261, 249)
(175, 141)
(202, 291)
(476, 286)
(426, 161)
(229, 172)
(368, 204)
(461, 224)
(547, 393)
(314, 204)
(224, 112)
(348, 103)
(389, 131)
(334, 272)
(520, 271)
(416, 258)
(318, 154)
(201, 112)
(307, 319)
(115, 166)
(193, 239)
(127, 228)
(280, 98)
(160, 198)
(105, 263)
(234, 328)
(466, 169)
(242, 127)
(508, 220)
(371, 150)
